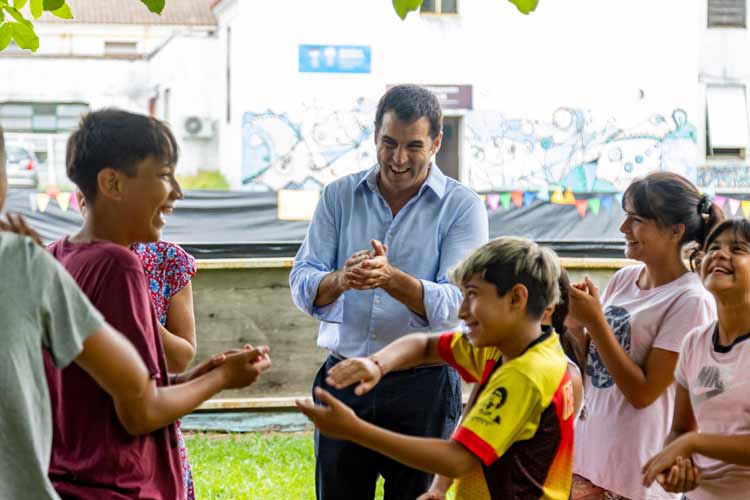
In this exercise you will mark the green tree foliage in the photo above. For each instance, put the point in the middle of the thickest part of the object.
(403, 7)
(16, 19)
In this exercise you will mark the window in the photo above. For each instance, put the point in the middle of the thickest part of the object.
(120, 48)
(727, 132)
(41, 117)
(727, 14)
(439, 7)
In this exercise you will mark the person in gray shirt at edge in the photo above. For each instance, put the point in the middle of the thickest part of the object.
(42, 308)
(373, 268)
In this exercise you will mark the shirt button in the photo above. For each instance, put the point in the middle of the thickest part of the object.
(377, 300)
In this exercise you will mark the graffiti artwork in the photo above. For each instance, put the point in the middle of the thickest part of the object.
(574, 149)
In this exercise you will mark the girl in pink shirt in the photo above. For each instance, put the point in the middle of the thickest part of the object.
(633, 332)
(711, 424)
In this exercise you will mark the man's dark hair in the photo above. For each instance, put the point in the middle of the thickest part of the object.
(116, 139)
(410, 103)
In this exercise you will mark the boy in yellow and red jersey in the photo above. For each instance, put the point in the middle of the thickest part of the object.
(516, 441)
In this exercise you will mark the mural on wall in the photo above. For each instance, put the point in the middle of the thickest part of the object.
(573, 150)
(311, 147)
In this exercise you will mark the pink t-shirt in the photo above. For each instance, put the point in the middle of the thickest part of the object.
(717, 379)
(613, 438)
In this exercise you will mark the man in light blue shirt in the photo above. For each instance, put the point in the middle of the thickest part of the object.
(373, 268)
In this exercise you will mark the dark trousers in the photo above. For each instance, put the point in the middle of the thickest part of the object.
(418, 402)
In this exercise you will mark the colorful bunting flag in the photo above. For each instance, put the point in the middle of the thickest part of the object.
(528, 198)
(74, 203)
(581, 206)
(543, 194)
(569, 198)
(483, 197)
(733, 206)
(720, 200)
(606, 203)
(618, 197)
(63, 200)
(32, 202)
(557, 197)
(505, 200)
(42, 201)
(745, 204)
(493, 201)
(517, 197)
(594, 204)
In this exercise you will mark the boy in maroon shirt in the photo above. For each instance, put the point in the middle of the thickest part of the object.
(124, 165)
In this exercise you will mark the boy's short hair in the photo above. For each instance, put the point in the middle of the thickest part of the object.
(116, 139)
(508, 261)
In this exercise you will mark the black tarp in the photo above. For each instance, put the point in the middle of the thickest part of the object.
(221, 224)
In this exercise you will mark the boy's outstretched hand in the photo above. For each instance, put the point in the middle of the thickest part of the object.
(242, 368)
(353, 370)
(335, 419)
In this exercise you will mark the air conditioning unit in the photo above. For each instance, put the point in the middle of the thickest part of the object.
(198, 127)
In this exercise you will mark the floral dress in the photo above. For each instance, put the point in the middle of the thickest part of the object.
(168, 270)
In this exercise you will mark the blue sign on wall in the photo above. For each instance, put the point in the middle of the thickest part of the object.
(334, 59)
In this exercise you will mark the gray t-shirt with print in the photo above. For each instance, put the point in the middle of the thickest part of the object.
(41, 307)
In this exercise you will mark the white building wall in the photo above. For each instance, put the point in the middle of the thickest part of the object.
(611, 65)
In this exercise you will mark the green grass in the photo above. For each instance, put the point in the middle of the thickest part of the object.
(254, 466)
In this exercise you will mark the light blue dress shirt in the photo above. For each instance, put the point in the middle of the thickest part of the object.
(437, 228)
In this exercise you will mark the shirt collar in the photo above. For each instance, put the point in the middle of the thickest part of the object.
(436, 180)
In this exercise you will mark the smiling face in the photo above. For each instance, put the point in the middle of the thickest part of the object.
(488, 316)
(404, 152)
(646, 240)
(147, 197)
(725, 267)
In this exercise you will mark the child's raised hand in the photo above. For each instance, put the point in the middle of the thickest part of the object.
(335, 419)
(353, 370)
(244, 367)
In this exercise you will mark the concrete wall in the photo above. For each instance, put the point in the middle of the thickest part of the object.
(234, 306)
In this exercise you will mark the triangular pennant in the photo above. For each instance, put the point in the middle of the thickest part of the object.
(606, 203)
(719, 201)
(42, 200)
(733, 206)
(543, 195)
(528, 198)
(483, 197)
(517, 197)
(493, 201)
(568, 197)
(557, 197)
(63, 200)
(594, 204)
(581, 206)
(745, 208)
(32, 202)
(589, 171)
(618, 197)
(505, 200)
(74, 203)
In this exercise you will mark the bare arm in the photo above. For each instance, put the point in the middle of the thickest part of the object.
(179, 335)
(683, 419)
(141, 406)
(408, 351)
(331, 287)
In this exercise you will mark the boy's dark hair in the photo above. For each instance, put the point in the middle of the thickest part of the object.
(670, 199)
(116, 139)
(569, 343)
(508, 261)
(410, 103)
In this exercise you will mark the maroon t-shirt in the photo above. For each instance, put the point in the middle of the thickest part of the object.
(93, 457)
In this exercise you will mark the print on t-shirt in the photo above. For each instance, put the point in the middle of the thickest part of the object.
(618, 319)
(710, 383)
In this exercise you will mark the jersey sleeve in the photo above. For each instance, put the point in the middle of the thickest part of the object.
(473, 363)
(507, 410)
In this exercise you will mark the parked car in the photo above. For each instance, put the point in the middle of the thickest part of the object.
(22, 167)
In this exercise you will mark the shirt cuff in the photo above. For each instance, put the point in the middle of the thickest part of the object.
(330, 313)
(476, 445)
(440, 307)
